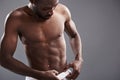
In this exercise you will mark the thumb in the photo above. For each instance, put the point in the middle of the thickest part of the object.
(67, 66)
(70, 65)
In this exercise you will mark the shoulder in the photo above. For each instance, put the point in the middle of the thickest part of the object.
(14, 19)
(64, 10)
(15, 14)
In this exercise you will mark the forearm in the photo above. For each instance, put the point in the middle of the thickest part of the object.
(76, 45)
(18, 67)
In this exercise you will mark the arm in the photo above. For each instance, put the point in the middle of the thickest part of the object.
(76, 45)
(8, 46)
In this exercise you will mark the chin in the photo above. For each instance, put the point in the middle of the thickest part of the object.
(47, 17)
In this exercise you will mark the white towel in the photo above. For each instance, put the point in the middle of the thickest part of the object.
(29, 78)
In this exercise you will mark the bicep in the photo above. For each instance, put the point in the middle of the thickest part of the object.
(8, 44)
(9, 38)
(70, 28)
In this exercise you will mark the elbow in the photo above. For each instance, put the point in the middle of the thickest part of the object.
(75, 36)
(4, 61)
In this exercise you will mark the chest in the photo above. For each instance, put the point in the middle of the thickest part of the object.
(35, 31)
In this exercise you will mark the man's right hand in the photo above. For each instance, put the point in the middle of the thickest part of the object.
(51, 75)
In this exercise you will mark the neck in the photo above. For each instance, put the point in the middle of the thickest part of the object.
(33, 9)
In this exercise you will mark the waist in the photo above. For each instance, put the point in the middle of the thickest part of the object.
(46, 61)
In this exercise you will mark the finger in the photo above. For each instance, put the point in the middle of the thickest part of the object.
(66, 67)
(55, 72)
(70, 65)
(57, 78)
(74, 74)
(69, 76)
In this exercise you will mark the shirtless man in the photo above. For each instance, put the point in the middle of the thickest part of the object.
(40, 27)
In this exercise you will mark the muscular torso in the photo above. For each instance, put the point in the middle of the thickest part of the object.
(44, 41)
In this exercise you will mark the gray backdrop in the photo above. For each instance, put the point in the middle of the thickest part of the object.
(98, 22)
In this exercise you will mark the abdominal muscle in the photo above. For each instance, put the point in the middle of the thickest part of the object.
(45, 56)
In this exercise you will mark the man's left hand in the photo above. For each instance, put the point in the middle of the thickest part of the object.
(76, 66)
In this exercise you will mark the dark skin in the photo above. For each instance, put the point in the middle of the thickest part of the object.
(40, 28)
